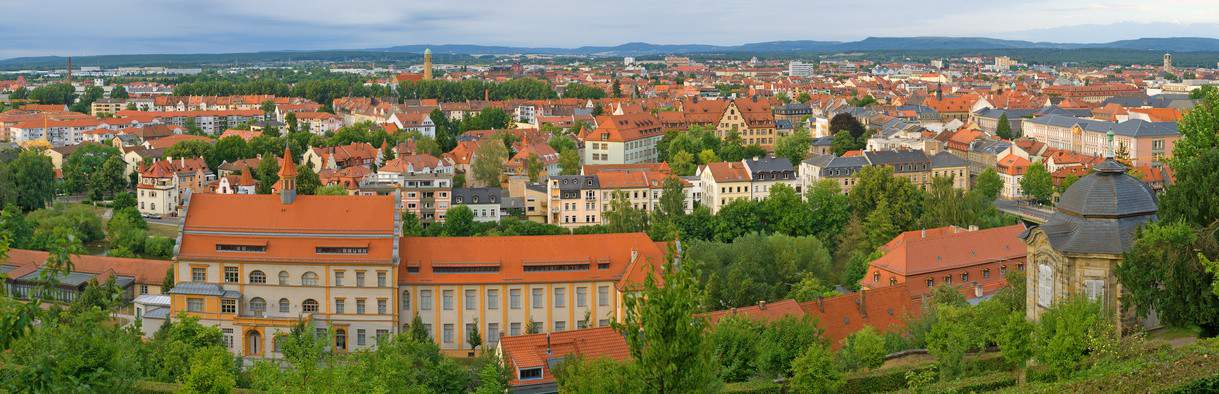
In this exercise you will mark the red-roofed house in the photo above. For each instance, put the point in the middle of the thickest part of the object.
(622, 139)
(531, 358)
(976, 259)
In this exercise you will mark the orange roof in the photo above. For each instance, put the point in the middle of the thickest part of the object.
(287, 168)
(622, 128)
(533, 351)
(764, 311)
(523, 259)
(728, 171)
(937, 249)
(1160, 114)
(244, 134)
(168, 141)
(1012, 165)
(305, 215)
(594, 169)
(145, 272)
(884, 309)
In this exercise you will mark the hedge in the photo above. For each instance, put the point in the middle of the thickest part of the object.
(894, 379)
(979, 383)
(1200, 386)
(753, 386)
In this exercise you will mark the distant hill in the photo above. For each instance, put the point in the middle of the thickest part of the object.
(457, 53)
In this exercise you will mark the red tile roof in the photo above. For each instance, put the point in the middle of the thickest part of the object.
(937, 249)
(532, 351)
(145, 272)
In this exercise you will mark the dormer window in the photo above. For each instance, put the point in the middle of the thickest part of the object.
(530, 373)
(475, 199)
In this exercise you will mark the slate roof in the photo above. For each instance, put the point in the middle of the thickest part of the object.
(1129, 128)
(945, 159)
(769, 165)
(1100, 212)
(193, 288)
(476, 195)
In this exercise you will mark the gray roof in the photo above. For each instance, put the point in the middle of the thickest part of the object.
(843, 166)
(577, 182)
(1056, 110)
(769, 165)
(72, 279)
(4, 269)
(1012, 114)
(1100, 212)
(945, 159)
(783, 124)
(823, 141)
(476, 195)
(819, 160)
(195, 288)
(1129, 128)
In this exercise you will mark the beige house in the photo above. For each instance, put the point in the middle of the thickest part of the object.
(573, 200)
(723, 182)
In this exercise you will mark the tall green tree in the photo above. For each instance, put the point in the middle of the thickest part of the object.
(682, 163)
(1037, 184)
(28, 180)
(307, 181)
(119, 92)
(665, 337)
(794, 147)
(1163, 271)
(80, 166)
(988, 184)
(1004, 129)
(877, 185)
(569, 162)
(266, 174)
(489, 159)
(814, 372)
(622, 216)
(56, 93)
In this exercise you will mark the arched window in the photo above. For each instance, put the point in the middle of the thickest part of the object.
(309, 306)
(283, 278)
(309, 279)
(340, 339)
(258, 277)
(284, 305)
(258, 306)
(406, 299)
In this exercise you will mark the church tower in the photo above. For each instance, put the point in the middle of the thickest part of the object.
(427, 63)
(1168, 63)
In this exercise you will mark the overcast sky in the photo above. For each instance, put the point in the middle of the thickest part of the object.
(78, 27)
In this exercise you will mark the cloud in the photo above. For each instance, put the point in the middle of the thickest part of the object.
(82, 27)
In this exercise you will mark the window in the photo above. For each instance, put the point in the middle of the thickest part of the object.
(492, 298)
(471, 300)
(359, 278)
(531, 373)
(228, 337)
(425, 300)
(876, 277)
(1003, 271)
(602, 322)
(340, 339)
(381, 335)
(258, 277)
(381, 306)
(986, 273)
(948, 279)
(492, 333)
(258, 306)
(198, 274)
(514, 298)
(240, 248)
(359, 337)
(309, 279)
(537, 298)
(143, 289)
(430, 334)
(560, 326)
(284, 305)
(194, 305)
(381, 278)
(338, 278)
(581, 324)
(339, 250)
(309, 306)
(228, 306)
(447, 299)
(965, 277)
(930, 282)
(603, 296)
(283, 278)
(447, 336)
(560, 297)
(340, 305)
(360, 306)
(406, 299)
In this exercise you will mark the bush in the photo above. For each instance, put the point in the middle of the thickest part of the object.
(1200, 386)
(753, 386)
(863, 349)
(894, 379)
(978, 383)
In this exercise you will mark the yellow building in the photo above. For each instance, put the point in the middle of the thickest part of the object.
(752, 119)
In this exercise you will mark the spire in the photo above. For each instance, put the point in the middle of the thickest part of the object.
(246, 178)
(287, 177)
(1110, 165)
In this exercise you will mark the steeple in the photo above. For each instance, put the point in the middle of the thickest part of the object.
(287, 177)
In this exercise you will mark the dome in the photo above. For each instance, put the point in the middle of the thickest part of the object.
(1100, 212)
(1108, 193)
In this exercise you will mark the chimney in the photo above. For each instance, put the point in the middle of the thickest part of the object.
(762, 305)
(547, 344)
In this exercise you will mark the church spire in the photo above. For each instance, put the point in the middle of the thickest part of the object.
(287, 177)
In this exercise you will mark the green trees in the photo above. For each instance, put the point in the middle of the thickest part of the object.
(622, 216)
(331, 190)
(862, 349)
(487, 119)
(228, 149)
(783, 341)
(82, 353)
(756, 268)
(682, 163)
(307, 181)
(666, 339)
(85, 102)
(1004, 129)
(266, 174)
(878, 187)
(735, 342)
(988, 184)
(447, 91)
(473, 338)
(27, 181)
(576, 90)
(1163, 271)
(1068, 332)
(119, 92)
(1037, 183)
(847, 122)
(83, 170)
(577, 375)
(569, 162)
(459, 222)
(794, 146)
(56, 93)
(488, 165)
(211, 371)
(190, 149)
(953, 334)
(815, 372)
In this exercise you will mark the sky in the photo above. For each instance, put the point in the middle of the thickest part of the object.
(81, 27)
